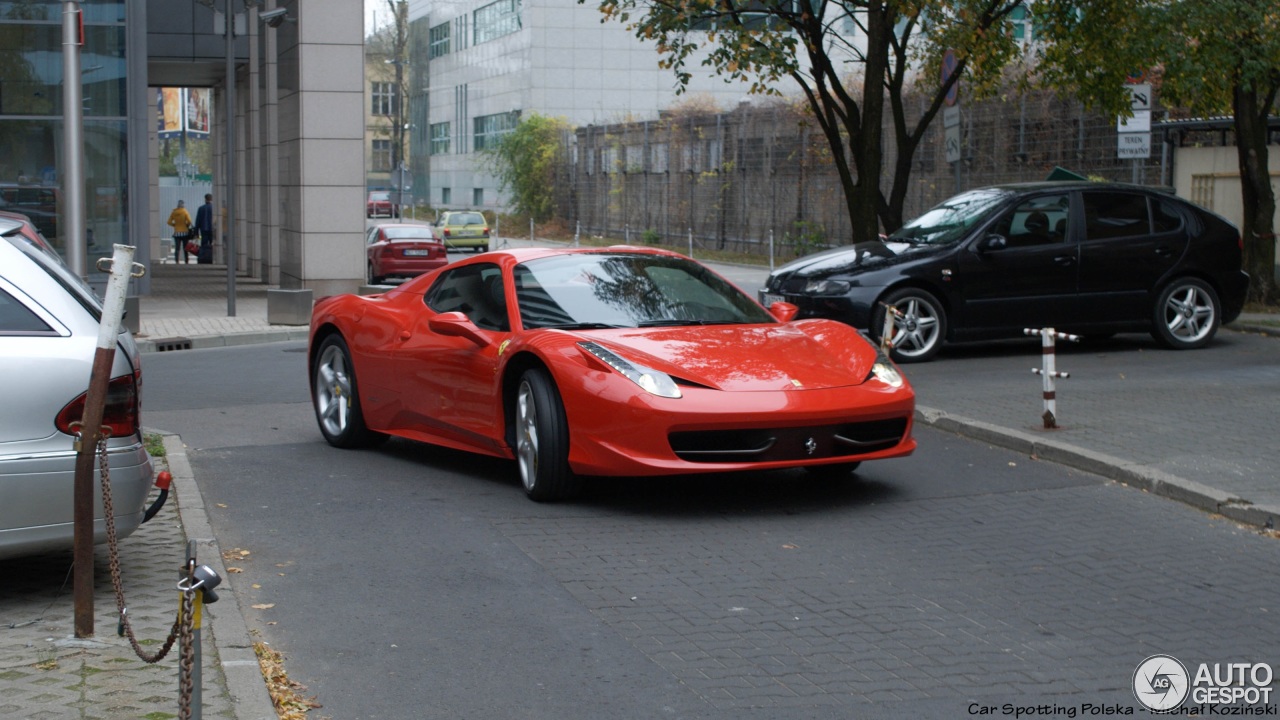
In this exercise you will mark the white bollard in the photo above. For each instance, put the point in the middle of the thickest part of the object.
(1049, 372)
(891, 315)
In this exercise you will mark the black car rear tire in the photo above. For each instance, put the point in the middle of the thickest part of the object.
(1187, 314)
(919, 335)
(336, 397)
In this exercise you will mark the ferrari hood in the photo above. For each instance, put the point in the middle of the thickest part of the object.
(807, 355)
(854, 258)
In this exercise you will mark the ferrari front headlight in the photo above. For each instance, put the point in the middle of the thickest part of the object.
(885, 371)
(652, 381)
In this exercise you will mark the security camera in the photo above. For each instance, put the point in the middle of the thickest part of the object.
(274, 18)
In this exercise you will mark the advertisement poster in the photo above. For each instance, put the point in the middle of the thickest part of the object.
(169, 104)
(198, 111)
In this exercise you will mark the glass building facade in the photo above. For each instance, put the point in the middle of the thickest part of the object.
(31, 119)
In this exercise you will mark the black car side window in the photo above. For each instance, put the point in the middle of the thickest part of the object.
(1036, 221)
(1165, 216)
(1114, 215)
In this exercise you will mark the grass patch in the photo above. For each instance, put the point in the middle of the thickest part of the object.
(154, 442)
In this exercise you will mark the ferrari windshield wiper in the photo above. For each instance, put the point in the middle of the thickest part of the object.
(580, 326)
(677, 323)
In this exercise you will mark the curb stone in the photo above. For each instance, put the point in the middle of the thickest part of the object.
(1143, 477)
(245, 685)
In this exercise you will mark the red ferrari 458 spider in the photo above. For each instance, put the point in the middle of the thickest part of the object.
(616, 361)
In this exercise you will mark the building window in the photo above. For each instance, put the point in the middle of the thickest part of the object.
(490, 128)
(440, 138)
(384, 99)
(439, 39)
(754, 16)
(477, 197)
(1024, 25)
(381, 156)
(446, 196)
(495, 20)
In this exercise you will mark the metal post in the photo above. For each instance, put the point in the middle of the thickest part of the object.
(577, 230)
(1050, 372)
(530, 228)
(73, 141)
(770, 249)
(891, 316)
(228, 234)
(691, 242)
(90, 433)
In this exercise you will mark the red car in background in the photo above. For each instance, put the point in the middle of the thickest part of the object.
(403, 251)
(378, 204)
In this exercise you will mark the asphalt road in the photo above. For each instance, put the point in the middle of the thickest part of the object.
(416, 582)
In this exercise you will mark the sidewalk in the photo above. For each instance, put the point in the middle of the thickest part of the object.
(45, 673)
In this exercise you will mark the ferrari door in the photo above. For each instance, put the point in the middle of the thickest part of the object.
(450, 383)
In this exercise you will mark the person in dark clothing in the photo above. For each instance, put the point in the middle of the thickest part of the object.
(204, 225)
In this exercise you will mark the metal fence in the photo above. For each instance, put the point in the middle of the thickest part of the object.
(759, 180)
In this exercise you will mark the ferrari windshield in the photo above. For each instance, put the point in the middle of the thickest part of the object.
(949, 222)
(584, 291)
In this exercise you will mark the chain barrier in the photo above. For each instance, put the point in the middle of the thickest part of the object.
(182, 626)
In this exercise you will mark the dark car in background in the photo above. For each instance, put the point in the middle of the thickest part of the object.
(1081, 257)
(402, 251)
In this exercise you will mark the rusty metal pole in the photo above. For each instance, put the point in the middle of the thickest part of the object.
(90, 433)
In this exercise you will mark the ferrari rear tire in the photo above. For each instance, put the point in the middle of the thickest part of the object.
(1187, 314)
(542, 439)
(336, 397)
(918, 335)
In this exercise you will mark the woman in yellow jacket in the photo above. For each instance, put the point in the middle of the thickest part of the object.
(180, 221)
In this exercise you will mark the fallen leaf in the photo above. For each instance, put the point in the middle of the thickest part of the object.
(221, 505)
(263, 606)
(256, 586)
(234, 570)
(789, 547)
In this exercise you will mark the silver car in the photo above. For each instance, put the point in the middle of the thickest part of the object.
(49, 322)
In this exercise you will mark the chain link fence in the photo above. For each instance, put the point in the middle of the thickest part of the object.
(758, 180)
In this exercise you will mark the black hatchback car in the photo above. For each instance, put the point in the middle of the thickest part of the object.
(1081, 257)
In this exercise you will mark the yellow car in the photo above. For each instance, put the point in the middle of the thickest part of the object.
(464, 229)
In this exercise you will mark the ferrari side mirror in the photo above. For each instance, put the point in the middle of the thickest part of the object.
(455, 324)
(784, 311)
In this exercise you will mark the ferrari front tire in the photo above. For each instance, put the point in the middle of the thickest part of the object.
(336, 398)
(542, 439)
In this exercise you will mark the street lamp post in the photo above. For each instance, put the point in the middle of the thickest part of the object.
(228, 235)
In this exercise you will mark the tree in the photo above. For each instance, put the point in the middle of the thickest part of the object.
(764, 42)
(1211, 58)
(524, 161)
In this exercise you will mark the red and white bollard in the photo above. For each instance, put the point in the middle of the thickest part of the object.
(1049, 372)
(891, 315)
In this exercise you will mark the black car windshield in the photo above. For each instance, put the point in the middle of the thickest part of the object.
(949, 222)
(586, 290)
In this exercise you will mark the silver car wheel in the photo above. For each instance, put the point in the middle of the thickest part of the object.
(333, 391)
(917, 332)
(1189, 314)
(527, 436)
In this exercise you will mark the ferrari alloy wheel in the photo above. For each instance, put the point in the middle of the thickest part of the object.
(919, 332)
(1186, 314)
(542, 439)
(335, 397)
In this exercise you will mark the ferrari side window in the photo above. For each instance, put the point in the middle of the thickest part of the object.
(475, 291)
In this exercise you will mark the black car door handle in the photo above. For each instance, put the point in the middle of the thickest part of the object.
(1064, 260)
(1164, 251)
